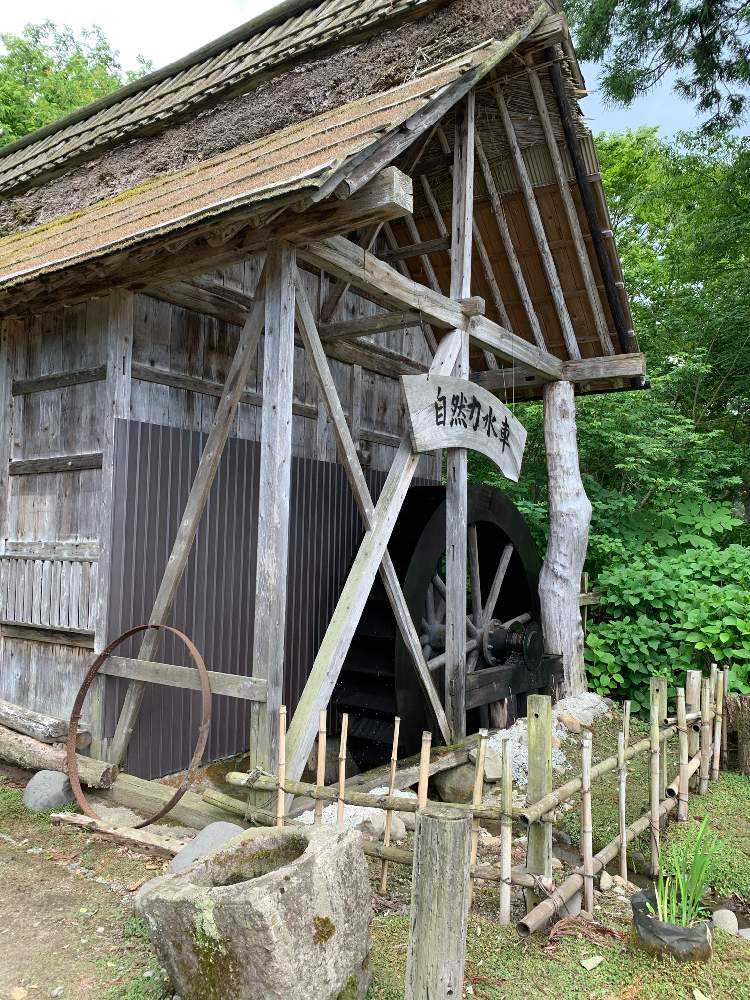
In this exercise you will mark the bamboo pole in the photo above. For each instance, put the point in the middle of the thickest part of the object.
(476, 799)
(342, 769)
(320, 776)
(673, 790)
(424, 770)
(281, 791)
(684, 782)
(724, 732)
(660, 686)
(654, 775)
(506, 832)
(587, 831)
(389, 812)
(626, 709)
(621, 803)
(693, 706)
(718, 717)
(705, 734)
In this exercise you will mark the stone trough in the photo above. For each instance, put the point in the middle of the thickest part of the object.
(271, 914)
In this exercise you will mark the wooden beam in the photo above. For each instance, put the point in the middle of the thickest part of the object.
(537, 227)
(350, 460)
(340, 632)
(374, 358)
(510, 251)
(416, 249)
(571, 213)
(58, 380)
(341, 287)
(427, 267)
(272, 546)
(171, 675)
(584, 370)
(57, 635)
(456, 497)
(382, 323)
(44, 728)
(516, 350)
(56, 463)
(196, 502)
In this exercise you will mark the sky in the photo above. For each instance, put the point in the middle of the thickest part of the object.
(165, 30)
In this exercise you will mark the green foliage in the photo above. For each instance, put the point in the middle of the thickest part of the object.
(679, 895)
(47, 72)
(706, 46)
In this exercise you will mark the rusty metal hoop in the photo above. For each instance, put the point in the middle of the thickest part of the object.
(75, 717)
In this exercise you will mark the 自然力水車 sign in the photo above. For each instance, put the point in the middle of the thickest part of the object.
(455, 413)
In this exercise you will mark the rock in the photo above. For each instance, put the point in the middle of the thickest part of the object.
(493, 764)
(48, 790)
(744, 932)
(605, 881)
(569, 721)
(332, 762)
(373, 826)
(573, 907)
(209, 839)
(456, 784)
(585, 708)
(592, 963)
(556, 864)
(726, 920)
(284, 915)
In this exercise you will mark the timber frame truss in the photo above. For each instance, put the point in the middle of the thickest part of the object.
(453, 323)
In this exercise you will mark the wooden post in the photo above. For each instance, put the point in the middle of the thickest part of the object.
(682, 731)
(587, 831)
(281, 793)
(320, 776)
(539, 847)
(724, 722)
(476, 798)
(622, 799)
(660, 687)
(196, 502)
(569, 519)
(626, 707)
(439, 905)
(654, 776)
(424, 769)
(705, 735)
(120, 326)
(506, 832)
(389, 812)
(273, 504)
(718, 717)
(342, 769)
(456, 467)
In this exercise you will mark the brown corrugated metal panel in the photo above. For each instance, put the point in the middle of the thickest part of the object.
(297, 158)
(229, 67)
(154, 468)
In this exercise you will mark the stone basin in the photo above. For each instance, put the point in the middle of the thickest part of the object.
(271, 914)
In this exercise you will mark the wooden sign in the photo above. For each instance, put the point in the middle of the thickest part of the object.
(455, 413)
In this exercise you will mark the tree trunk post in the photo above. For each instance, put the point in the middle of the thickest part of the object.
(439, 905)
(539, 846)
(659, 688)
(569, 519)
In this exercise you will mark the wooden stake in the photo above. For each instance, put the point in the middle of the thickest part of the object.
(724, 733)
(320, 776)
(705, 735)
(539, 847)
(477, 796)
(342, 769)
(622, 802)
(660, 686)
(684, 781)
(587, 828)
(424, 770)
(693, 704)
(654, 776)
(626, 722)
(389, 812)
(439, 905)
(281, 793)
(506, 832)
(718, 717)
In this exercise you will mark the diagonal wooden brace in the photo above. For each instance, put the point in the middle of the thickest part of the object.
(196, 502)
(347, 449)
(340, 632)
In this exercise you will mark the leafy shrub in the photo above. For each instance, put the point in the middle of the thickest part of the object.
(662, 614)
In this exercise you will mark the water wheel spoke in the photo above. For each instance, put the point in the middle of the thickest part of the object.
(471, 628)
(438, 584)
(471, 661)
(497, 583)
(518, 620)
(476, 582)
(429, 606)
(439, 661)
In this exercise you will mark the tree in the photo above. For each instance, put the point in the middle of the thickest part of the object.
(47, 72)
(706, 43)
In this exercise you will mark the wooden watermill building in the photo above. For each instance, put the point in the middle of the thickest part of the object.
(413, 179)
